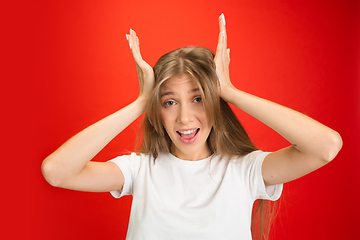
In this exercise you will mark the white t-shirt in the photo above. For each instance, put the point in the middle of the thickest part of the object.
(206, 199)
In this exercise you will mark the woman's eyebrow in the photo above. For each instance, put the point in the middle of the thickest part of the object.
(194, 90)
(172, 93)
(167, 93)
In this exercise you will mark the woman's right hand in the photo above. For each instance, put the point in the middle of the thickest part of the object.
(144, 70)
(70, 166)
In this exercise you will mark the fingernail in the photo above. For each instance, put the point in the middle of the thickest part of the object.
(223, 33)
(223, 18)
(127, 37)
(130, 46)
(130, 31)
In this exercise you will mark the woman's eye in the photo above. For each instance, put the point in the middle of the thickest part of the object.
(169, 103)
(198, 99)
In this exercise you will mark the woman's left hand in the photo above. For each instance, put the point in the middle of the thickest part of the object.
(292, 162)
(222, 60)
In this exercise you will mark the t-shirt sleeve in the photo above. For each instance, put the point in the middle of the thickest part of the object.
(257, 184)
(126, 164)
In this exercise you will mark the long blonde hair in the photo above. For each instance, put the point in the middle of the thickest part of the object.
(227, 137)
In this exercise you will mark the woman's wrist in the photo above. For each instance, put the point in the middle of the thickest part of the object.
(227, 93)
(142, 101)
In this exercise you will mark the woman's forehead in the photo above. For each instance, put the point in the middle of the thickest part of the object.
(185, 81)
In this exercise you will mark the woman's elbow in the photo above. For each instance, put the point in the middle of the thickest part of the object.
(334, 145)
(48, 170)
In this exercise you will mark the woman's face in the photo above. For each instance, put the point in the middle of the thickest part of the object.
(184, 118)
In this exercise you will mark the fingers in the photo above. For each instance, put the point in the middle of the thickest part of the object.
(133, 41)
(222, 23)
(141, 66)
(222, 41)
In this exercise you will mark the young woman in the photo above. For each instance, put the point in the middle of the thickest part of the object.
(196, 174)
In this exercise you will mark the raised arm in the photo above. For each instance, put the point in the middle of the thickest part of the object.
(70, 166)
(312, 143)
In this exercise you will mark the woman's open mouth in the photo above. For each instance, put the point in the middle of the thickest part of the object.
(188, 136)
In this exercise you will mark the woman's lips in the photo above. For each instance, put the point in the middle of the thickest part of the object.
(188, 136)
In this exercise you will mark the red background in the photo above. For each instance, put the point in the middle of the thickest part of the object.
(66, 64)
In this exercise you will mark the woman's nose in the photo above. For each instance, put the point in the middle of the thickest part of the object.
(184, 115)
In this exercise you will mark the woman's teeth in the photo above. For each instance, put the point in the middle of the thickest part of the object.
(188, 131)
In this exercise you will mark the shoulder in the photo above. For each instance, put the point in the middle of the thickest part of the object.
(246, 163)
(257, 155)
(131, 159)
(133, 156)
